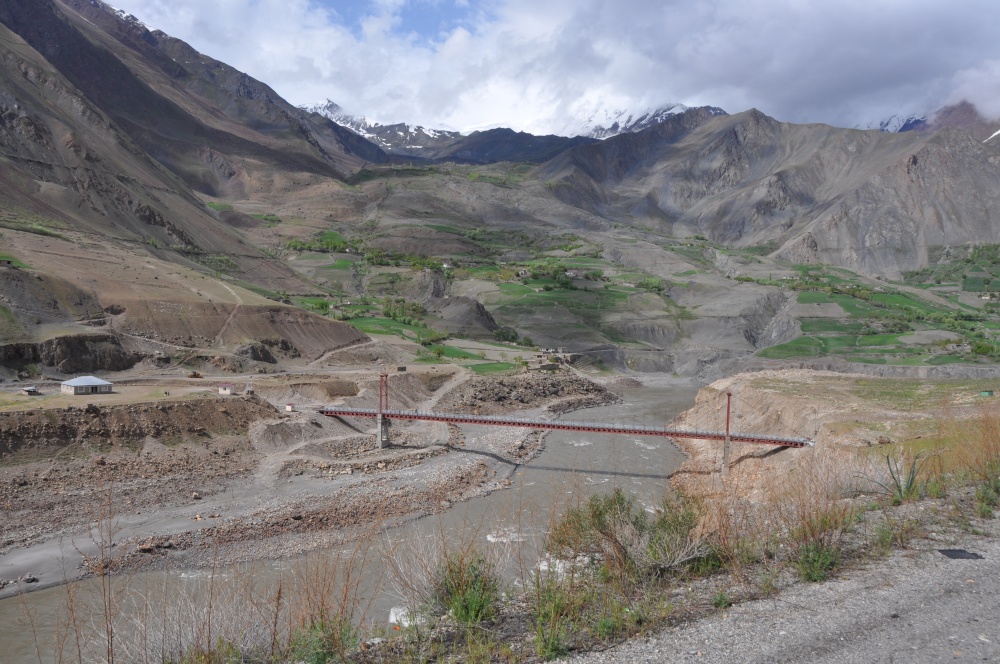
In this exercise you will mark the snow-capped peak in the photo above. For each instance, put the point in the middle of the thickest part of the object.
(125, 16)
(398, 137)
(607, 122)
(897, 123)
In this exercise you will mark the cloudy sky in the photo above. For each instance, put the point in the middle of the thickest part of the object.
(538, 65)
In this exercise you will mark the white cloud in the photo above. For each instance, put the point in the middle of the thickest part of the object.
(528, 64)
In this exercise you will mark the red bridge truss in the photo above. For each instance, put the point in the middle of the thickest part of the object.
(563, 425)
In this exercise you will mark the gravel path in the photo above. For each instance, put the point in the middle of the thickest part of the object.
(915, 606)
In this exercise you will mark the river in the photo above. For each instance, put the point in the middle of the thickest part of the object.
(508, 525)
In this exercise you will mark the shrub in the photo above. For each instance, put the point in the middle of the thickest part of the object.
(611, 528)
(323, 641)
(553, 606)
(902, 482)
(467, 586)
(722, 600)
(987, 497)
(815, 562)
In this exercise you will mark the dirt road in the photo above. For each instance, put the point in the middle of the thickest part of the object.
(915, 606)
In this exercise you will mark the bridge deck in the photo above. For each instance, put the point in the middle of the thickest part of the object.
(563, 425)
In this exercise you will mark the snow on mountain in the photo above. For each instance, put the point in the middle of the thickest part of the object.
(600, 124)
(897, 123)
(605, 122)
(399, 137)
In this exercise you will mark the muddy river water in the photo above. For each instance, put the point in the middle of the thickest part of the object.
(510, 524)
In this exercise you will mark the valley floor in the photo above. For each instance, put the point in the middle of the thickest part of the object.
(174, 486)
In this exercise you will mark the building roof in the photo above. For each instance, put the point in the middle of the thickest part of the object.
(86, 381)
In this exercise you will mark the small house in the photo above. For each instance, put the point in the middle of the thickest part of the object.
(86, 385)
(226, 389)
(30, 390)
(6, 262)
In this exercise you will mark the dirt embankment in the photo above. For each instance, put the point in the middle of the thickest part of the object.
(45, 432)
(78, 353)
(839, 412)
(505, 395)
(113, 460)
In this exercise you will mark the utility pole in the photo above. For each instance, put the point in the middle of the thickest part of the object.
(725, 446)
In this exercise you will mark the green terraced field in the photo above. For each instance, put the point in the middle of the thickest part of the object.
(389, 326)
(829, 325)
(493, 367)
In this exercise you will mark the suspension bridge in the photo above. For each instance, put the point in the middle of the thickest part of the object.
(563, 425)
(383, 415)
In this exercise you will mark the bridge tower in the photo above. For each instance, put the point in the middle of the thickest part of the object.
(725, 445)
(383, 405)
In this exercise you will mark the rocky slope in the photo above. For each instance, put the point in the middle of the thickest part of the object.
(870, 201)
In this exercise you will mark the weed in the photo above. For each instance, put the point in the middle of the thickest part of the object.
(987, 497)
(815, 562)
(722, 600)
(323, 641)
(611, 528)
(936, 487)
(883, 539)
(608, 627)
(902, 483)
(467, 586)
(553, 609)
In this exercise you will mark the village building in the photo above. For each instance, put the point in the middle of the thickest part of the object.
(86, 385)
(227, 389)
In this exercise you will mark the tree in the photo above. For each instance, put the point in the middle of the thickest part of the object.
(505, 333)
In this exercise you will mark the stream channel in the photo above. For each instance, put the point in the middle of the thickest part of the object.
(511, 522)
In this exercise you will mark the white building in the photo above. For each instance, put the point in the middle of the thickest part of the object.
(86, 385)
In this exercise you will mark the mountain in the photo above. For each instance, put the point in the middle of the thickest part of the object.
(876, 202)
(962, 114)
(157, 199)
(479, 147)
(897, 123)
(109, 137)
(399, 138)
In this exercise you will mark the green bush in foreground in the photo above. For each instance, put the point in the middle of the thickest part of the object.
(323, 641)
(610, 527)
(467, 585)
(815, 562)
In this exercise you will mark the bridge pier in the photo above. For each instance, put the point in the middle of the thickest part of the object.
(382, 424)
(725, 444)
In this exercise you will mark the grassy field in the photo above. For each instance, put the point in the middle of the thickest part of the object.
(389, 326)
(493, 367)
(453, 353)
(829, 325)
(816, 346)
